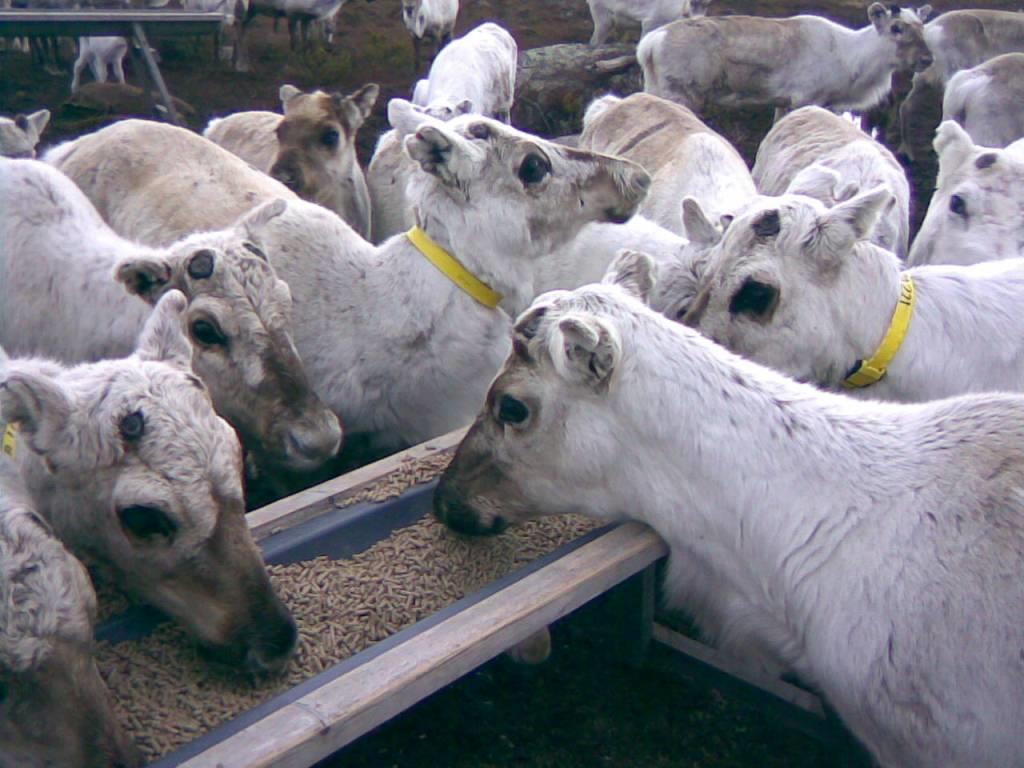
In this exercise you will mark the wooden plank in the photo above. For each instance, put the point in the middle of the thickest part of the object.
(304, 505)
(84, 23)
(727, 665)
(301, 733)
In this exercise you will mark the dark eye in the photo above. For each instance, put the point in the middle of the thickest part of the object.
(132, 426)
(958, 205)
(329, 138)
(207, 333)
(681, 312)
(512, 411)
(534, 168)
(146, 523)
(897, 29)
(754, 298)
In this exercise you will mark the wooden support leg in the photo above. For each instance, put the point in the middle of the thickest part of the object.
(153, 70)
(631, 613)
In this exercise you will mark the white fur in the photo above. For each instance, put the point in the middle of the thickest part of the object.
(986, 220)
(650, 14)
(430, 18)
(20, 135)
(871, 548)
(387, 177)
(59, 297)
(100, 54)
(815, 152)
(988, 100)
(683, 155)
(480, 67)
(837, 292)
(393, 345)
(787, 62)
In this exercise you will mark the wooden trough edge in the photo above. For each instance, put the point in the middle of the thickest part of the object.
(302, 506)
(336, 713)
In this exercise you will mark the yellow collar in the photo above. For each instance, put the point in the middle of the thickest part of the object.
(9, 442)
(866, 372)
(452, 269)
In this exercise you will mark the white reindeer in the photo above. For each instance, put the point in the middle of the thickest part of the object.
(310, 148)
(479, 67)
(799, 287)
(977, 210)
(429, 20)
(815, 152)
(958, 39)
(58, 258)
(100, 54)
(20, 135)
(130, 464)
(786, 62)
(57, 709)
(775, 499)
(683, 155)
(988, 100)
(650, 14)
(418, 368)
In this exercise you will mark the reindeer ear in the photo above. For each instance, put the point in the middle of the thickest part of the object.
(440, 152)
(37, 121)
(255, 220)
(924, 13)
(162, 337)
(41, 409)
(877, 15)
(146, 276)
(365, 98)
(588, 350)
(286, 94)
(634, 271)
(699, 230)
(954, 147)
(847, 222)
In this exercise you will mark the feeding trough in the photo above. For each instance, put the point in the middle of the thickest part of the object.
(543, 575)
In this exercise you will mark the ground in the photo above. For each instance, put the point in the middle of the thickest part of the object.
(583, 708)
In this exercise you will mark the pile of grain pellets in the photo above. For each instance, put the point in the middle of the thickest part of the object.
(167, 695)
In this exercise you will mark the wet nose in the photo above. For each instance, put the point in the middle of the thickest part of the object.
(461, 517)
(288, 175)
(309, 445)
(271, 651)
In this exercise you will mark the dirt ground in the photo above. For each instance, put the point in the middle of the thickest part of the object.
(582, 709)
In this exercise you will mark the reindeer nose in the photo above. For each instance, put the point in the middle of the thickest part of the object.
(287, 175)
(461, 517)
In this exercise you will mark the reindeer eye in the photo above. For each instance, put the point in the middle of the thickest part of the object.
(681, 312)
(133, 426)
(534, 168)
(207, 333)
(958, 205)
(897, 29)
(754, 298)
(512, 411)
(329, 138)
(767, 224)
(146, 523)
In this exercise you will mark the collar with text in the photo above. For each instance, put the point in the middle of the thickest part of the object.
(452, 269)
(867, 372)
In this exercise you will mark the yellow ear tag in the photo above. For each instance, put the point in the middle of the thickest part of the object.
(9, 445)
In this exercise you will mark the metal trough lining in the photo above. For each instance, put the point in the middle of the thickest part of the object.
(254, 715)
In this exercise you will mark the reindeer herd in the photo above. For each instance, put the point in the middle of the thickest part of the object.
(814, 409)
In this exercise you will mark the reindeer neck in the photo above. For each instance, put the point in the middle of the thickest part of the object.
(869, 60)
